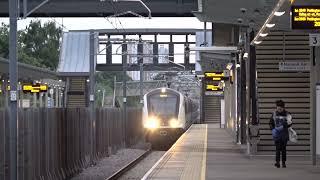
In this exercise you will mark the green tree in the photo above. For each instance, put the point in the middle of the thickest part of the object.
(4, 40)
(105, 81)
(38, 44)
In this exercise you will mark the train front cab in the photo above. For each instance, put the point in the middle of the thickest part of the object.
(163, 116)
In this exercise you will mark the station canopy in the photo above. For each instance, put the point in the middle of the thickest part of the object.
(248, 13)
(100, 8)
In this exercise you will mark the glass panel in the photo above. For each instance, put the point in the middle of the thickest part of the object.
(179, 53)
(116, 37)
(179, 38)
(148, 37)
(163, 106)
(132, 50)
(191, 38)
(147, 53)
(192, 57)
(163, 38)
(136, 37)
(116, 53)
(101, 57)
(163, 51)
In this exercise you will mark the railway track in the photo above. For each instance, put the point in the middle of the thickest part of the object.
(129, 166)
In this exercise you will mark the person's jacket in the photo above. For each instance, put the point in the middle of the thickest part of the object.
(278, 119)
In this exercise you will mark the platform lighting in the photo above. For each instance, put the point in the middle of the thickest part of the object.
(263, 34)
(267, 22)
(245, 55)
(229, 66)
(257, 42)
(270, 25)
(163, 90)
(279, 13)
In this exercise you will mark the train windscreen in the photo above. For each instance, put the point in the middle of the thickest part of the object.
(163, 105)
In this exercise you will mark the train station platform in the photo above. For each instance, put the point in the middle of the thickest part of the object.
(207, 152)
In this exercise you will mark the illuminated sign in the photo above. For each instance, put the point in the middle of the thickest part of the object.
(217, 76)
(305, 17)
(163, 95)
(35, 88)
(213, 87)
(211, 74)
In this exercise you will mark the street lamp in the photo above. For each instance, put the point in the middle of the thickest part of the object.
(103, 93)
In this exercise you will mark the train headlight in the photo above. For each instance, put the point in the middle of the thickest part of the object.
(152, 123)
(174, 123)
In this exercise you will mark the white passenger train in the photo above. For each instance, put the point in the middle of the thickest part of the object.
(167, 113)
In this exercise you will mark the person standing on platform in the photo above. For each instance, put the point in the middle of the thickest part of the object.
(280, 121)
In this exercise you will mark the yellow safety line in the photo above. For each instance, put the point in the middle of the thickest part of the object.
(204, 157)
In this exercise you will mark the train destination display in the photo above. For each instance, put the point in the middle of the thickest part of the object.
(305, 17)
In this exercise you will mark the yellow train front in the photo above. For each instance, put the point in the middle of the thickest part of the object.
(167, 114)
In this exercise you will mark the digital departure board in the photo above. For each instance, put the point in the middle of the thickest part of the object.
(35, 88)
(305, 17)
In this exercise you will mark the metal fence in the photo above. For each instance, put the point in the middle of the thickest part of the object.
(56, 144)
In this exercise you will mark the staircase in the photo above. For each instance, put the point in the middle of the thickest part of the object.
(212, 109)
(76, 92)
(293, 87)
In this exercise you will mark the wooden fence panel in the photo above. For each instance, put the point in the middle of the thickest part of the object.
(2, 144)
(54, 144)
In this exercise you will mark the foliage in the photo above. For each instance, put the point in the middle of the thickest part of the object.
(105, 81)
(38, 44)
(41, 43)
(4, 40)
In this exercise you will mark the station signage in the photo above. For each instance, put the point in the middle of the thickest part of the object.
(305, 17)
(213, 74)
(35, 88)
(214, 93)
(299, 66)
(216, 76)
(211, 87)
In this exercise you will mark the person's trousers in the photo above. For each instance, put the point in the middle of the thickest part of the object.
(281, 148)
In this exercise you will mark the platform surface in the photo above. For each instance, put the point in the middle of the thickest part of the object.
(207, 152)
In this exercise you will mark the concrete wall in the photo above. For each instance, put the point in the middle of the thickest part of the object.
(318, 120)
(230, 108)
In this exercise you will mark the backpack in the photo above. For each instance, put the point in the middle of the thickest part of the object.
(277, 131)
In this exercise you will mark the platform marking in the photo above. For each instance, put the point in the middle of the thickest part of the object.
(145, 177)
(204, 157)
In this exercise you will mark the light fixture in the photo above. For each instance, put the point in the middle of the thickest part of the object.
(270, 25)
(279, 13)
(257, 42)
(229, 66)
(245, 55)
(263, 34)
(238, 66)
(268, 20)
